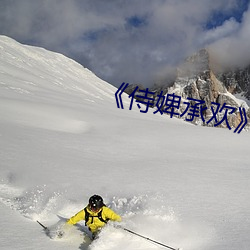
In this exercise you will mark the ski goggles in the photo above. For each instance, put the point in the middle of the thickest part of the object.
(94, 208)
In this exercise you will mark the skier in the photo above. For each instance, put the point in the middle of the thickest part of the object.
(95, 214)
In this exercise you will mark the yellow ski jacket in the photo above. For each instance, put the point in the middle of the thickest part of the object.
(94, 223)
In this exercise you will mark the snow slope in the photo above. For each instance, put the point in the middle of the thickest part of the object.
(62, 139)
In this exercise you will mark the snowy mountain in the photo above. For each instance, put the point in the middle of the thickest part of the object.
(62, 139)
(217, 98)
(237, 81)
(197, 80)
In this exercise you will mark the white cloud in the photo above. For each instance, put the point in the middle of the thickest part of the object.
(97, 33)
(228, 28)
(233, 50)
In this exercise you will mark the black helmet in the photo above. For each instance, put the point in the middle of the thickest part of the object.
(95, 202)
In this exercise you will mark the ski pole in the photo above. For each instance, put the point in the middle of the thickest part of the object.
(45, 228)
(146, 238)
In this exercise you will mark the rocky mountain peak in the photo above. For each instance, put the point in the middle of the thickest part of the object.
(196, 80)
(197, 64)
(237, 81)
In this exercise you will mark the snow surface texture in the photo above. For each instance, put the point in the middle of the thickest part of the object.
(63, 139)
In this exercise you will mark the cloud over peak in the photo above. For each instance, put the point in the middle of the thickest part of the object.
(133, 41)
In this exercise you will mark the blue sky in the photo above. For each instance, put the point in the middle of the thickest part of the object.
(135, 41)
(218, 17)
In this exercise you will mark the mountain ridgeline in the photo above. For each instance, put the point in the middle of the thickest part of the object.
(196, 78)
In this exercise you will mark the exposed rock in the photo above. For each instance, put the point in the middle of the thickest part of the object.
(237, 81)
(196, 80)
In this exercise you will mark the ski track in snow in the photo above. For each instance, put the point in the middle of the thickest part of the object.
(145, 214)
